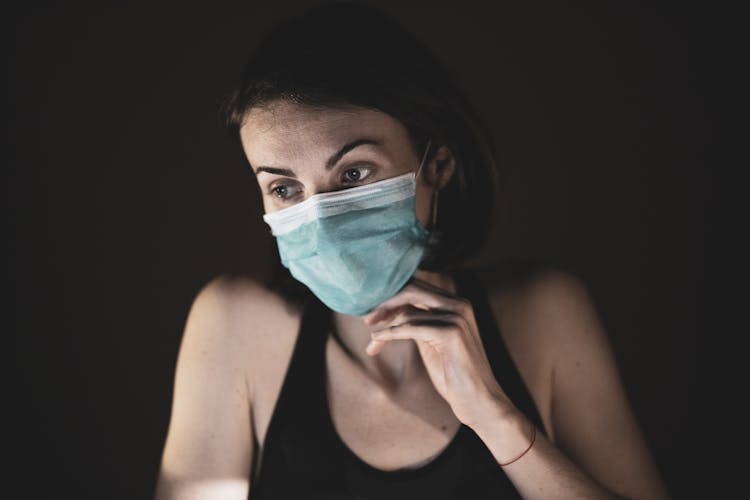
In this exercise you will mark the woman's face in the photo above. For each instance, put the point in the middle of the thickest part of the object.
(297, 151)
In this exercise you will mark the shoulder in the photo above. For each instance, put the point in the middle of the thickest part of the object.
(550, 325)
(540, 300)
(242, 320)
(211, 430)
(545, 315)
(230, 291)
(242, 303)
(529, 280)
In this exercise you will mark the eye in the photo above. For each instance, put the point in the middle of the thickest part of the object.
(357, 174)
(282, 191)
(286, 192)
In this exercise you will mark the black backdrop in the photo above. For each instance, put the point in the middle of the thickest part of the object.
(616, 128)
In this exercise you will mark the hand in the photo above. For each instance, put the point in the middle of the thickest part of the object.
(446, 333)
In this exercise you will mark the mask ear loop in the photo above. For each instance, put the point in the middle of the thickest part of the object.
(434, 235)
(424, 156)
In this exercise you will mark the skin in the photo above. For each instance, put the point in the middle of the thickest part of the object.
(303, 138)
(399, 389)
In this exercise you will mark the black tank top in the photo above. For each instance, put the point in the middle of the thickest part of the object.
(304, 457)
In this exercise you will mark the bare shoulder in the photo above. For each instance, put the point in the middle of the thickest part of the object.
(538, 303)
(554, 334)
(243, 297)
(212, 423)
(538, 309)
(257, 321)
(263, 326)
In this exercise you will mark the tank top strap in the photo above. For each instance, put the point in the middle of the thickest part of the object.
(301, 386)
(503, 367)
(293, 439)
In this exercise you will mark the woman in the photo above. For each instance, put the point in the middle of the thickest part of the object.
(377, 364)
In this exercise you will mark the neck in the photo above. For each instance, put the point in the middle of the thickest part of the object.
(399, 362)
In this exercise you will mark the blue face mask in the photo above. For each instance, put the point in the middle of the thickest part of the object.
(353, 248)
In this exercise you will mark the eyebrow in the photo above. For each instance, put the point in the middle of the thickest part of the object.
(330, 163)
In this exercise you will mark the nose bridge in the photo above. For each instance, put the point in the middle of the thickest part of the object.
(317, 185)
(322, 188)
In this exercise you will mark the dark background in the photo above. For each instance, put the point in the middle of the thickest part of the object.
(616, 127)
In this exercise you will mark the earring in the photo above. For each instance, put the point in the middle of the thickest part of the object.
(434, 235)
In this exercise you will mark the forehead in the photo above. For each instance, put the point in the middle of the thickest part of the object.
(283, 130)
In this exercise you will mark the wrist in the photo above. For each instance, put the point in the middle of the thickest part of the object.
(493, 407)
(505, 430)
(495, 412)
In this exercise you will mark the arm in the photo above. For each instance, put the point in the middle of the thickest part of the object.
(208, 449)
(598, 450)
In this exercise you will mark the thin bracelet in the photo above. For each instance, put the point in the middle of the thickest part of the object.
(533, 438)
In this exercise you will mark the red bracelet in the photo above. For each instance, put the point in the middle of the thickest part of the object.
(533, 438)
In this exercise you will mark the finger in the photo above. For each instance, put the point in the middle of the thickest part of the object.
(429, 286)
(416, 295)
(390, 315)
(415, 316)
(425, 331)
(374, 347)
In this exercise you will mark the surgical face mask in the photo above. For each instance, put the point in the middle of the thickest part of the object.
(353, 248)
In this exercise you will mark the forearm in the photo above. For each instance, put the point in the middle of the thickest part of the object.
(196, 489)
(543, 471)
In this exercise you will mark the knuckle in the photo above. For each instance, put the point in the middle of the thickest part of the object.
(452, 329)
(464, 305)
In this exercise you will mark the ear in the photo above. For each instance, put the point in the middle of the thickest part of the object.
(441, 167)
